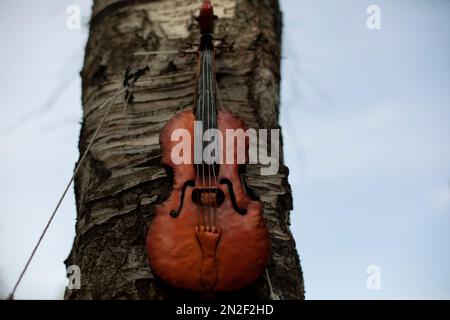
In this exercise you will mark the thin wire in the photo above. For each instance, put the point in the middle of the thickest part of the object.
(217, 147)
(179, 74)
(77, 168)
(125, 106)
(147, 53)
(197, 84)
(219, 98)
(202, 117)
(207, 104)
(211, 119)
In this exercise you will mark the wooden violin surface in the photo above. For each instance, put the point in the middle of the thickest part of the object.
(189, 257)
(209, 235)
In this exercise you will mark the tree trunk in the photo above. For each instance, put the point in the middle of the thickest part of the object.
(123, 179)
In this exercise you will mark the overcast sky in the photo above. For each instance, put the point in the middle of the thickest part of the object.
(365, 117)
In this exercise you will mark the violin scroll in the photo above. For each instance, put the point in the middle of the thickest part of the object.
(206, 18)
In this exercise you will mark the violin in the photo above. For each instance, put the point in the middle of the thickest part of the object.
(209, 235)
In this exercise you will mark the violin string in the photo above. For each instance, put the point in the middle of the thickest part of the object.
(109, 101)
(197, 116)
(219, 98)
(202, 118)
(220, 105)
(214, 118)
(208, 74)
(209, 126)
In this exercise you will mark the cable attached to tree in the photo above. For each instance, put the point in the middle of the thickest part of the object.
(130, 79)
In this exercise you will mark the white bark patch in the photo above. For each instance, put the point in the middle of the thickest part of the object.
(174, 17)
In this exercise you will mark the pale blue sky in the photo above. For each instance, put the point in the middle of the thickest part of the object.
(365, 118)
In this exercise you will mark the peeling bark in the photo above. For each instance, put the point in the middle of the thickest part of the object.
(121, 182)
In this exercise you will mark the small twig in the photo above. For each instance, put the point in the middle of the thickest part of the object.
(149, 53)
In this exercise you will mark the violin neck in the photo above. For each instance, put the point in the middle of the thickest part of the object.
(205, 96)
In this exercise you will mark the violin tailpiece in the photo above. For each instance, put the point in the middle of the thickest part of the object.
(208, 242)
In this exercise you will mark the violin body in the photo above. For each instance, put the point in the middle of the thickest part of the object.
(209, 235)
(187, 257)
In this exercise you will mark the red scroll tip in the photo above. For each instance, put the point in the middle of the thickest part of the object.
(206, 17)
(206, 4)
(206, 7)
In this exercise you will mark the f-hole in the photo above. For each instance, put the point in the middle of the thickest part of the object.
(176, 213)
(241, 211)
